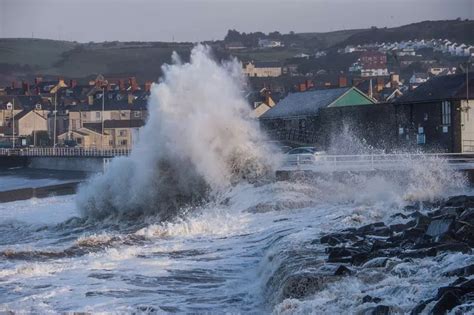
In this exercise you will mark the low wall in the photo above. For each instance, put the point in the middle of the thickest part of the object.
(13, 161)
(38, 192)
(84, 164)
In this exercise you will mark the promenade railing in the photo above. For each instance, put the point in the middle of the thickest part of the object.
(375, 161)
(71, 152)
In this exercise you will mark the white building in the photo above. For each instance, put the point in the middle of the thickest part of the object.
(269, 43)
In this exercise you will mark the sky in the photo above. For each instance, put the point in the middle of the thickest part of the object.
(198, 20)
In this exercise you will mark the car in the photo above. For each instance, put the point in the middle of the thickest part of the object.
(304, 155)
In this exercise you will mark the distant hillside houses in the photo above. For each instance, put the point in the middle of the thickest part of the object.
(409, 48)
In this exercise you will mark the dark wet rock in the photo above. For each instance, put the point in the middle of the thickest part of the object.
(378, 228)
(377, 310)
(301, 285)
(377, 262)
(397, 228)
(343, 271)
(342, 254)
(440, 226)
(369, 299)
(399, 215)
(332, 240)
(446, 303)
(461, 272)
(459, 201)
(422, 222)
(420, 307)
(467, 215)
(454, 247)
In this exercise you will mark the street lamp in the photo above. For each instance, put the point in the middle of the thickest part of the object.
(55, 112)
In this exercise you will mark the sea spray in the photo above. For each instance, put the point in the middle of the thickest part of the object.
(199, 139)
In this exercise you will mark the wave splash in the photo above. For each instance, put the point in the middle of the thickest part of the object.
(199, 140)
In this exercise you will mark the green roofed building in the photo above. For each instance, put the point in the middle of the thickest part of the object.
(293, 117)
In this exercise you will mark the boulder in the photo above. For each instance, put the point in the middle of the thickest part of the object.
(440, 226)
(301, 285)
(369, 299)
(343, 271)
(446, 303)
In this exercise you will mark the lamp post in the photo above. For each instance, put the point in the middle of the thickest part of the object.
(13, 119)
(102, 118)
(34, 127)
(55, 113)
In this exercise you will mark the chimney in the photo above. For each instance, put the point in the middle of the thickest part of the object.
(26, 87)
(121, 84)
(380, 84)
(90, 99)
(133, 84)
(72, 83)
(147, 86)
(342, 81)
(131, 98)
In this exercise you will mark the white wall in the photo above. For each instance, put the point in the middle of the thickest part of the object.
(467, 127)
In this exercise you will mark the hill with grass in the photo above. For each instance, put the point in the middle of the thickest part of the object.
(23, 59)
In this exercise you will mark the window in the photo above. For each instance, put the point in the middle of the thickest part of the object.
(9, 106)
(97, 115)
(446, 113)
(79, 140)
(123, 133)
(123, 142)
(38, 106)
(123, 114)
(137, 114)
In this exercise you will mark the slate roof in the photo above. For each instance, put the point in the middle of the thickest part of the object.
(110, 104)
(23, 113)
(304, 103)
(267, 64)
(5, 99)
(441, 88)
(109, 124)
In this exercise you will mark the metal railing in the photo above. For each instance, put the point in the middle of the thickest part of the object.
(374, 161)
(63, 152)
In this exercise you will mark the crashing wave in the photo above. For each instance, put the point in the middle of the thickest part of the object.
(199, 140)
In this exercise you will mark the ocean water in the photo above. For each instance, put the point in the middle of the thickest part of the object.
(231, 255)
(194, 220)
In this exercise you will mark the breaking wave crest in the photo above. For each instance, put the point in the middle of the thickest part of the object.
(199, 140)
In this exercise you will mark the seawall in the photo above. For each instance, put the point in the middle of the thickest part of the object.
(38, 192)
(84, 164)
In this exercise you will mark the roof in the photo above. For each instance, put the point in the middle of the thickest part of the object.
(441, 88)
(23, 113)
(304, 103)
(111, 124)
(111, 104)
(267, 64)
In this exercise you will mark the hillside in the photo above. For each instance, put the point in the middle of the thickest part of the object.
(26, 58)
(454, 30)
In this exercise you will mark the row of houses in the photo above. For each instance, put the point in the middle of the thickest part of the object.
(96, 115)
(409, 47)
(437, 116)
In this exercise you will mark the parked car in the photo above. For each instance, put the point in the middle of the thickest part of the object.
(304, 155)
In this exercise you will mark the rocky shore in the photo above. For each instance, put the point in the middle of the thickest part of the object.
(374, 251)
